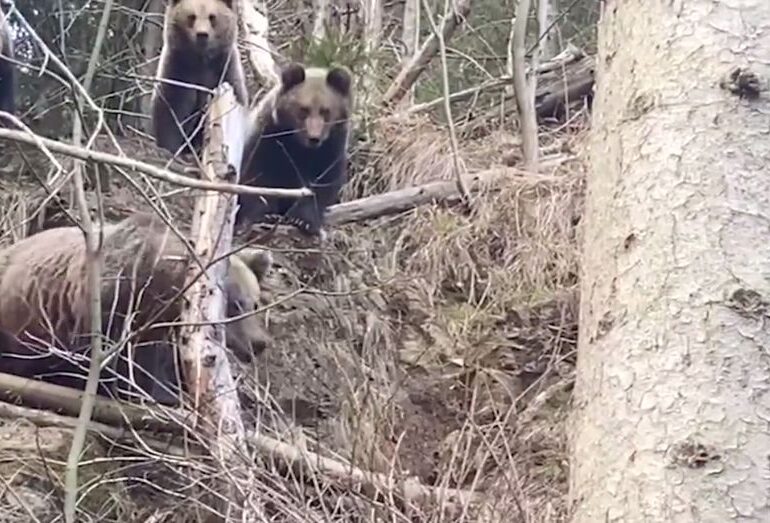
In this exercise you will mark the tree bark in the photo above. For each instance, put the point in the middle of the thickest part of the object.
(673, 381)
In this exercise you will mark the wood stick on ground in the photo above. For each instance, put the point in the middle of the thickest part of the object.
(113, 418)
(416, 64)
(145, 168)
(202, 335)
(65, 400)
(401, 200)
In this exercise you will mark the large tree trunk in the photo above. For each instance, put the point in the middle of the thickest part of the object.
(673, 381)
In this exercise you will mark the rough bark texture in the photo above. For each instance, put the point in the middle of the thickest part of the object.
(673, 387)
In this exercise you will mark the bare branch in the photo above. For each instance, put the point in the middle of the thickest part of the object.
(416, 64)
(145, 168)
(94, 270)
(456, 160)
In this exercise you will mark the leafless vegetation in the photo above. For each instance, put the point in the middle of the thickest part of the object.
(425, 351)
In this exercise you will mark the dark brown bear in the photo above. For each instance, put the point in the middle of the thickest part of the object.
(7, 68)
(304, 144)
(199, 47)
(44, 306)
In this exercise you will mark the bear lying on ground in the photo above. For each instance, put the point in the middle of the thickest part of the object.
(44, 306)
(199, 47)
(304, 144)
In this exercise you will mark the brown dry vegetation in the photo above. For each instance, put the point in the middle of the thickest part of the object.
(437, 343)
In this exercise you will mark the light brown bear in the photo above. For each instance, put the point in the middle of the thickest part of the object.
(200, 48)
(44, 306)
(304, 144)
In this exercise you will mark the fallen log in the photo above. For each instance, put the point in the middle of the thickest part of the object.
(401, 200)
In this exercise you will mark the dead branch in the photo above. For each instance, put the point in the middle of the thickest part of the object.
(564, 66)
(114, 419)
(38, 394)
(560, 87)
(205, 365)
(417, 63)
(44, 418)
(401, 200)
(254, 27)
(145, 168)
(349, 476)
(456, 160)
(524, 86)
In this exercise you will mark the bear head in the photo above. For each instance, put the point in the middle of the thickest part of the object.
(245, 335)
(312, 102)
(202, 25)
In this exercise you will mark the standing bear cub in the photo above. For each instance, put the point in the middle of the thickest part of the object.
(303, 144)
(200, 48)
(45, 315)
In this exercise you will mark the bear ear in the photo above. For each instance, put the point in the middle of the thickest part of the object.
(339, 80)
(260, 261)
(228, 3)
(292, 75)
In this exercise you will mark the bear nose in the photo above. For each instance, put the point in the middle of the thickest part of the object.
(314, 141)
(258, 346)
(202, 37)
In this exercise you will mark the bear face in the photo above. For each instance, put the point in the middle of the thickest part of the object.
(303, 143)
(43, 288)
(208, 26)
(312, 102)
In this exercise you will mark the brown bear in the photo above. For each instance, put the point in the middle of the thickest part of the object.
(200, 48)
(7, 68)
(303, 144)
(44, 306)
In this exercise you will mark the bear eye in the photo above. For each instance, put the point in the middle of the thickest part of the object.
(325, 113)
(304, 112)
(190, 20)
(212, 19)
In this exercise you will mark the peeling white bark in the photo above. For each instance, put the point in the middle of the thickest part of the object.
(673, 389)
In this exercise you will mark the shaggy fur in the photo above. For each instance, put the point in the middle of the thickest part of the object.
(199, 47)
(7, 69)
(44, 305)
(304, 144)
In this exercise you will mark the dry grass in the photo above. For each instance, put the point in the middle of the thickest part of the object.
(436, 343)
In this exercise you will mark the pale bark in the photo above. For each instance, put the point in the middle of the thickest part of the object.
(320, 18)
(202, 335)
(673, 381)
(255, 28)
(410, 35)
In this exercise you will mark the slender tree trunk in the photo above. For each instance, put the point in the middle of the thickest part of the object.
(672, 399)
(411, 37)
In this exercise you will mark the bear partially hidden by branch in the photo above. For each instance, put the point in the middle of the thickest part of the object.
(7, 67)
(303, 144)
(44, 306)
(199, 48)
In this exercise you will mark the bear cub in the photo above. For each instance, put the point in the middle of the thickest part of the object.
(304, 144)
(200, 48)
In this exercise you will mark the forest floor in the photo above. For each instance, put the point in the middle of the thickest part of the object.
(437, 343)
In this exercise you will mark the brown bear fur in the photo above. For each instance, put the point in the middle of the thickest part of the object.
(7, 69)
(199, 47)
(44, 302)
(303, 144)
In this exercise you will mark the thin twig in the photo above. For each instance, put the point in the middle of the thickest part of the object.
(461, 187)
(145, 168)
(93, 267)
